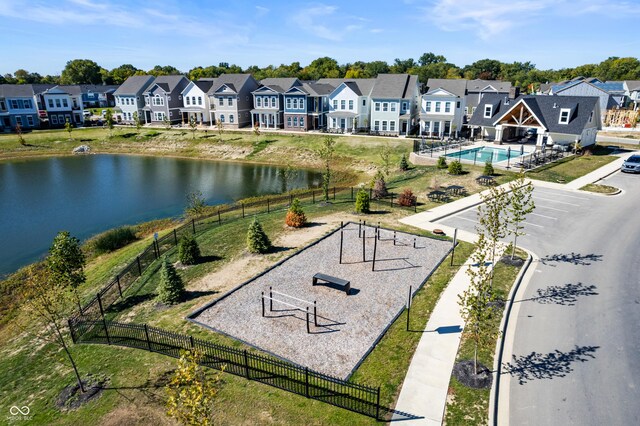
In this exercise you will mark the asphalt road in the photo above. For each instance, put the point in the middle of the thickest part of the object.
(576, 341)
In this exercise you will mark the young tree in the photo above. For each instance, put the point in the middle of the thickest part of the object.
(47, 302)
(171, 287)
(326, 154)
(108, 117)
(69, 128)
(285, 176)
(257, 240)
(404, 164)
(193, 125)
(220, 126)
(491, 220)
(19, 133)
(407, 198)
(137, 122)
(66, 263)
(190, 393)
(488, 168)
(520, 205)
(256, 131)
(475, 302)
(455, 167)
(362, 201)
(385, 157)
(166, 123)
(380, 187)
(195, 204)
(295, 215)
(188, 250)
(442, 163)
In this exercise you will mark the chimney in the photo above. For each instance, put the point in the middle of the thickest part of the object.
(507, 99)
(555, 105)
(514, 92)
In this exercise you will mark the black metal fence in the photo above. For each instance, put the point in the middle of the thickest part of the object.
(273, 372)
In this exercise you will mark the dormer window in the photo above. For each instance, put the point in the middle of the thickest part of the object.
(488, 111)
(591, 117)
(564, 116)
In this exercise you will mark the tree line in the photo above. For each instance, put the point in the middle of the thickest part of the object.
(428, 65)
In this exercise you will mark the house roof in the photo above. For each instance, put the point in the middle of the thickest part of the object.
(204, 85)
(317, 89)
(478, 85)
(134, 85)
(98, 88)
(548, 108)
(234, 81)
(73, 90)
(280, 85)
(613, 87)
(456, 86)
(497, 100)
(394, 86)
(16, 90)
(168, 83)
(633, 85)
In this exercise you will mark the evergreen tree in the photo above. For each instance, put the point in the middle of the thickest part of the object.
(257, 239)
(295, 215)
(404, 164)
(362, 201)
(171, 288)
(380, 187)
(455, 167)
(488, 168)
(188, 250)
(442, 163)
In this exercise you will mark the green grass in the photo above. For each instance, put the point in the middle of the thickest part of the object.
(600, 189)
(572, 167)
(467, 405)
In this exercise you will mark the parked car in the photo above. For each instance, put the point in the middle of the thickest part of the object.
(631, 164)
(531, 133)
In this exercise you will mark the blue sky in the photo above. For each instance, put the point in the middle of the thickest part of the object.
(41, 35)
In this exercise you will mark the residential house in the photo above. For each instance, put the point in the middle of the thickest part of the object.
(163, 99)
(62, 104)
(98, 96)
(350, 105)
(442, 108)
(231, 100)
(559, 120)
(18, 106)
(394, 100)
(491, 106)
(477, 88)
(129, 97)
(611, 94)
(306, 106)
(195, 102)
(632, 90)
(268, 108)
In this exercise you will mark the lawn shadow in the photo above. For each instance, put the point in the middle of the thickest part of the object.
(190, 295)
(279, 249)
(566, 294)
(537, 365)
(574, 258)
(209, 258)
(128, 135)
(129, 302)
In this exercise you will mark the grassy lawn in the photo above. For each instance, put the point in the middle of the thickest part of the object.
(572, 167)
(466, 405)
(600, 189)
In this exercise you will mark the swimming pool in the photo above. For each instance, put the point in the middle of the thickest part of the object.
(484, 154)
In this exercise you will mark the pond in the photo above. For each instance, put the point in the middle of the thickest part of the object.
(86, 195)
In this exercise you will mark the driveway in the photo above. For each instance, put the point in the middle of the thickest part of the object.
(573, 344)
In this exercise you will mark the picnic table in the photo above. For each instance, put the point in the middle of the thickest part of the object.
(455, 189)
(437, 195)
(485, 180)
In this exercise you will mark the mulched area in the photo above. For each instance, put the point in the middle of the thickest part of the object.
(71, 398)
(348, 325)
(464, 372)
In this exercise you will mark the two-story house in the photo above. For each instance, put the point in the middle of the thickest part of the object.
(268, 109)
(195, 102)
(306, 106)
(442, 108)
(63, 103)
(349, 105)
(231, 100)
(477, 88)
(18, 107)
(632, 90)
(163, 99)
(98, 96)
(394, 100)
(129, 97)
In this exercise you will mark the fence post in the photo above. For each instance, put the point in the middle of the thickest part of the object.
(375, 246)
(219, 220)
(191, 341)
(308, 328)
(268, 205)
(246, 364)
(315, 313)
(146, 333)
(341, 238)
(242, 204)
(306, 381)
(453, 245)
(175, 236)
(378, 405)
(313, 196)
(391, 199)
(73, 335)
(139, 267)
(352, 193)
(334, 192)
(193, 225)
(270, 299)
(408, 307)
(104, 322)
(364, 238)
(262, 304)
(118, 282)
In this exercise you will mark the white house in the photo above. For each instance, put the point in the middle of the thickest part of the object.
(442, 110)
(349, 105)
(394, 99)
(130, 99)
(195, 102)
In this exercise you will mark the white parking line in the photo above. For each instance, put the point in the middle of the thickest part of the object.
(556, 201)
(533, 224)
(551, 208)
(561, 195)
(546, 217)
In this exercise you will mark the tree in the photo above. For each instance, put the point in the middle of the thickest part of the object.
(81, 71)
(431, 58)
(193, 125)
(321, 68)
(455, 167)
(407, 198)
(171, 287)
(362, 201)
(380, 187)
(138, 123)
(190, 393)
(442, 163)
(66, 263)
(285, 176)
(195, 204)
(19, 133)
(476, 302)
(46, 301)
(295, 215)
(326, 154)
(108, 117)
(159, 70)
(385, 157)
(488, 168)
(491, 222)
(69, 128)
(404, 164)
(520, 205)
(188, 250)
(220, 126)
(166, 123)
(120, 74)
(257, 240)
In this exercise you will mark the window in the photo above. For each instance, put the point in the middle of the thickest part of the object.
(488, 111)
(590, 116)
(61, 119)
(58, 105)
(288, 103)
(65, 103)
(405, 106)
(377, 106)
(393, 106)
(30, 120)
(295, 103)
(301, 103)
(230, 101)
(438, 106)
(385, 107)
(231, 118)
(458, 104)
(466, 110)
(447, 107)
(3, 106)
(427, 126)
(428, 106)
(288, 121)
(221, 101)
(301, 121)
(335, 104)
(14, 104)
(222, 118)
(273, 102)
(343, 104)
(157, 100)
(392, 126)
(376, 125)
(364, 102)
(436, 127)
(54, 119)
(18, 120)
(564, 115)
(50, 103)
(187, 99)
(384, 125)
(295, 121)
(258, 101)
(351, 104)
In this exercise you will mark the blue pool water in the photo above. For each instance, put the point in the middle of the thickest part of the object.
(484, 154)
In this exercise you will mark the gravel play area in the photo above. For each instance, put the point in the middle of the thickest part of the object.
(348, 325)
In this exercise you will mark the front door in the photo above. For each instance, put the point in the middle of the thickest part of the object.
(404, 127)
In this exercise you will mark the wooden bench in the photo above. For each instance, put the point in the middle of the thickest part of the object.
(333, 282)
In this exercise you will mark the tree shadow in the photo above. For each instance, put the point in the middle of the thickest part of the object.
(566, 294)
(209, 258)
(574, 258)
(129, 302)
(279, 249)
(190, 295)
(547, 366)
(128, 135)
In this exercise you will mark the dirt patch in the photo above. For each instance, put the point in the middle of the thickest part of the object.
(464, 372)
(137, 415)
(72, 398)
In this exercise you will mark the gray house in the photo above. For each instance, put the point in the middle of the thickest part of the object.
(18, 106)
(268, 108)
(231, 100)
(163, 99)
(130, 99)
(395, 103)
(442, 108)
(306, 106)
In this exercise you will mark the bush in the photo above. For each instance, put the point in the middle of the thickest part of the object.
(188, 250)
(407, 199)
(295, 215)
(380, 188)
(455, 167)
(362, 201)
(404, 165)
(113, 239)
(488, 168)
(257, 240)
(442, 163)
(171, 288)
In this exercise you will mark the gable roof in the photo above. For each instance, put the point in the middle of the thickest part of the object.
(98, 88)
(394, 86)
(480, 85)
(16, 90)
(633, 85)
(439, 89)
(280, 85)
(73, 90)
(317, 89)
(499, 106)
(233, 81)
(456, 86)
(134, 85)
(204, 85)
(549, 108)
(168, 83)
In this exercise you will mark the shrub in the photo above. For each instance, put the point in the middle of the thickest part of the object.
(442, 163)
(188, 250)
(407, 198)
(488, 168)
(113, 239)
(362, 201)
(455, 167)
(404, 165)
(257, 240)
(295, 215)
(171, 288)
(380, 188)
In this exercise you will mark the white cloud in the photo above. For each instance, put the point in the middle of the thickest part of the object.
(316, 20)
(261, 10)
